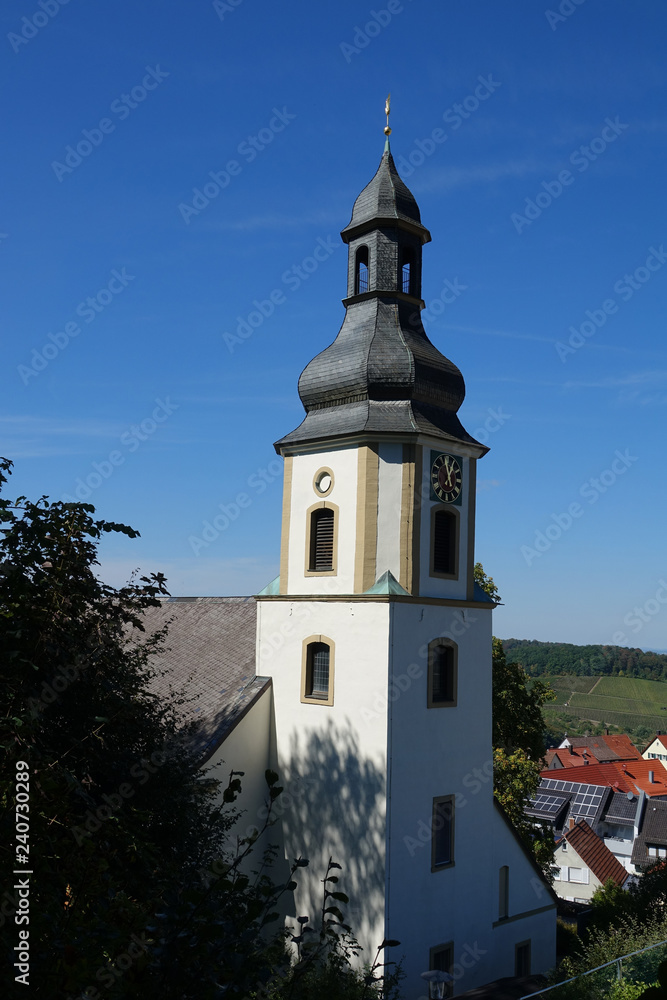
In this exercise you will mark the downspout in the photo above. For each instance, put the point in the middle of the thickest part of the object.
(641, 801)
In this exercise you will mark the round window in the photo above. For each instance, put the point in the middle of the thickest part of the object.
(323, 482)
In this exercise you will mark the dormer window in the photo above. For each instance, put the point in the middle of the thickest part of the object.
(407, 262)
(361, 271)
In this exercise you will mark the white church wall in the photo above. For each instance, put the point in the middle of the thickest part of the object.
(247, 748)
(441, 752)
(343, 463)
(390, 483)
(333, 758)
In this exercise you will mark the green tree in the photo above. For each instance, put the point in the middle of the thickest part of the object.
(518, 741)
(119, 822)
(518, 722)
(486, 582)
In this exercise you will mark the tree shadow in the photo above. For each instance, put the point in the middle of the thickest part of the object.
(333, 806)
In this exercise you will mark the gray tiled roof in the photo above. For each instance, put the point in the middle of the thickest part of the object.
(210, 653)
(596, 746)
(381, 375)
(621, 809)
(653, 831)
(386, 196)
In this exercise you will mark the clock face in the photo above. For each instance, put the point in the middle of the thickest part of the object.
(446, 478)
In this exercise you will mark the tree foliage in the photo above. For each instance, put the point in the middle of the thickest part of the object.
(562, 658)
(486, 582)
(518, 723)
(518, 742)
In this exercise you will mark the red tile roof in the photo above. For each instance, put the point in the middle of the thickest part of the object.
(595, 854)
(627, 776)
(566, 758)
(623, 746)
(601, 749)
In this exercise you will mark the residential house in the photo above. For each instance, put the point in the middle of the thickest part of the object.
(657, 749)
(576, 751)
(584, 864)
(610, 797)
(651, 844)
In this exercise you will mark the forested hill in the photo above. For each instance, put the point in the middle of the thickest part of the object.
(557, 658)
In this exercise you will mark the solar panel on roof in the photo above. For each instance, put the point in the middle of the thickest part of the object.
(548, 804)
(587, 800)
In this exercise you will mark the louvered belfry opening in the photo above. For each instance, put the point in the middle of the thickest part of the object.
(443, 673)
(321, 540)
(318, 670)
(444, 542)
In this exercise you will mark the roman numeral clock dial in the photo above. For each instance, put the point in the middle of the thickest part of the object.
(446, 478)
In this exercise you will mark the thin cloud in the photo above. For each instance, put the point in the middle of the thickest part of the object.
(273, 220)
(449, 178)
(620, 381)
(486, 332)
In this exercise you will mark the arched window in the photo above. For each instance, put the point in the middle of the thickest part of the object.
(317, 670)
(444, 542)
(361, 271)
(442, 673)
(407, 260)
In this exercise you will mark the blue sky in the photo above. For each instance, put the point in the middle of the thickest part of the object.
(153, 336)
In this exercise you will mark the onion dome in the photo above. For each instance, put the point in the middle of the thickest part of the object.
(382, 375)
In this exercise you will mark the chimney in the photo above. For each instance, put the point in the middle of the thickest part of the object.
(571, 823)
(606, 730)
(651, 777)
(571, 749)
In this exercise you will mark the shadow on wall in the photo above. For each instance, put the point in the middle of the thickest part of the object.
(334, 806)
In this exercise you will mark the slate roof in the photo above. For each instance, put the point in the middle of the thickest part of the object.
(595, 854)
(386, 196)
(210, 653)
(621, 809)
(653, 831)
(381, 375)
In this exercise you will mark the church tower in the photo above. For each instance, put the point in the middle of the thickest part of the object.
(378, 640)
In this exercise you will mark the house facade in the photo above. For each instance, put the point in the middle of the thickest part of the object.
(584, 864)
(657, 750)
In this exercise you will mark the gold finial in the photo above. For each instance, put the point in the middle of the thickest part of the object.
(387, 109)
